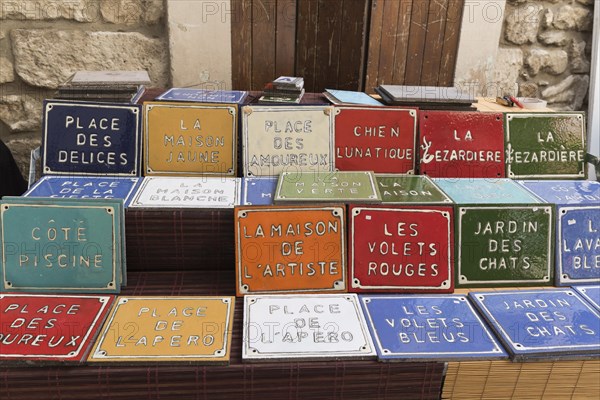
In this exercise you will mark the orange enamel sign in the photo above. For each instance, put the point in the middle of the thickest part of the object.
(155, 329)
(190, 139)
(290, 249)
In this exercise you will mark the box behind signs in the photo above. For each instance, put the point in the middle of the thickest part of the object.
(505, 235)
(577, 228)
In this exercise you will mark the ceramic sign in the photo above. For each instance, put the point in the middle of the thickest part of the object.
(505, 245)
(432, 328)
(317, 327)
(339, 186)
(409, 189)
(62, 245)
(549, 323)
(485, 191)
(203, 95)
(186, 192)
(565, 192)
(401, 249)
(90, 139)
(50, 328)
(258, 191)
(167, 329)
(461, 144)
(545, 145)
(384, 138)
(290, 249)
(578, 242)
(88, 187)
(190, 139)
(590, 293)
(287, 138)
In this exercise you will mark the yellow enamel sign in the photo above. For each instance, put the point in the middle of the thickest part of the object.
(151, 329)
(190, 139)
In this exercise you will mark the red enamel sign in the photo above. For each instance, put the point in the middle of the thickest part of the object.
(401, 249)
(382, 138)
(461, 144)
(48, 327)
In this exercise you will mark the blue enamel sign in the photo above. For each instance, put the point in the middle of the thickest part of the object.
(91, 139)
(84, 187)
(203, 95)
(440, 328)
(58, 245)
(258, 191)
(590, 293)
(485, 191)
(565, 192)
(578, 237)
(541, 323)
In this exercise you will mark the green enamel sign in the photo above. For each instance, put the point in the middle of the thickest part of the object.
(508, 245)
(409, 189)
(62, 245)
(545, 145)
(336, 186)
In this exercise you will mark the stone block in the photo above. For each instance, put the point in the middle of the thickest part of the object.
(579, 61)
(50, 10)
(509, 62)
(554, 38)
(523, 23)
(7, 73)
(132, 12)
(577, 83)
(21, 113)
(47, 58)
(573, 17)
(553, 61)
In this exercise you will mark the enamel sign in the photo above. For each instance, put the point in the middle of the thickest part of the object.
(290, 249)
(304, 327)
(186, 192)
(338, 186)
(167, 329)
(398, 249)
(287, 138)
(541, 323)
(62, 245)
(545, 146)
(91, 139)
(190, 139)
(461, 144)
(433, 328)
(50, 328)
(383, 137)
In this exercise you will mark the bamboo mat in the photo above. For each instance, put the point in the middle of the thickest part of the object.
(271, 380)
(533, 380)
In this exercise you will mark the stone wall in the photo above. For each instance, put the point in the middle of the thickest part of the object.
(43, 42)
(545, 48)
